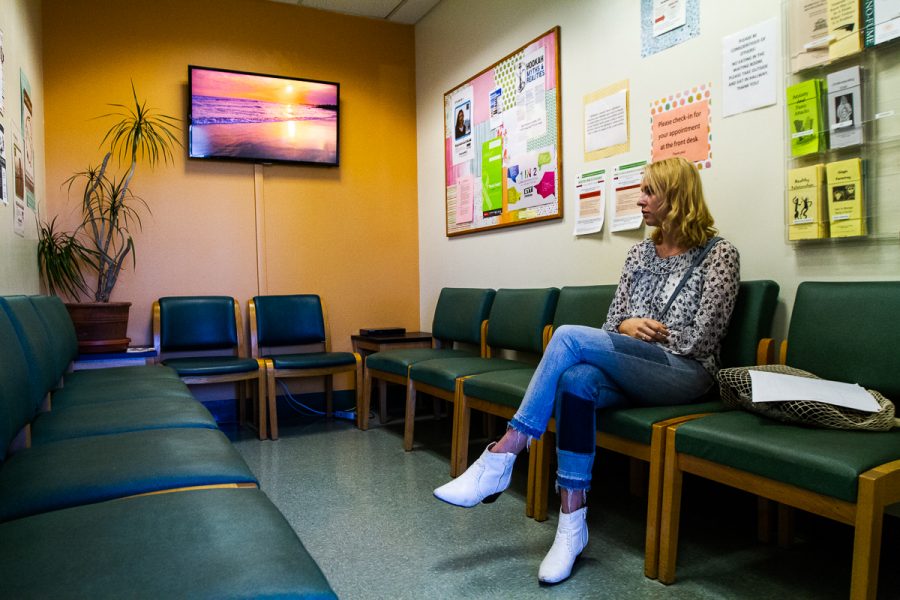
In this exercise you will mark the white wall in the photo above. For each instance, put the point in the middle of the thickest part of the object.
(600, 45)
(20, 21)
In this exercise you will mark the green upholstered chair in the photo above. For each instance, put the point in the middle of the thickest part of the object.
(202, 339)
(290, 333)
(839, 331)
(457, 330)
(518, 322)
(499, 393)
(639, 432)
(195, 544)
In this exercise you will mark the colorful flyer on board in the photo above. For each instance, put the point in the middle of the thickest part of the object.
(492, 177)
(531, 101)
(461, 116)
(464, 199)
(532, 181)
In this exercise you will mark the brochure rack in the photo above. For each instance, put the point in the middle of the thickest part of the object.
(856, 196)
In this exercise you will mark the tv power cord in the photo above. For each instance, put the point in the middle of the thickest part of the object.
(308, 411)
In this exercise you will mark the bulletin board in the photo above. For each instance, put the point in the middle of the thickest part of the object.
(503, 141)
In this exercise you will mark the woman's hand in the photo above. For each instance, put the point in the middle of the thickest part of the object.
(644, 329)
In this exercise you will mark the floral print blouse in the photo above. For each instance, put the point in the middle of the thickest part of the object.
(699, 315)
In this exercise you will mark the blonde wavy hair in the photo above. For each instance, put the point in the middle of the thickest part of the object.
(676, 182)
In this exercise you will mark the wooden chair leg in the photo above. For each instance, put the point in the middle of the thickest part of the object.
(409, 425)
(637, 477)
(671, 512)
(654, 501)
(867, 539)
(462, 421)
(765, 520)
(436, 408)
(382, 402)
(358, 386)
(329, 396)
(241, 392)
(261, 398)
(542, 449)
(364, 402)
(273, 402)
(785, 526)
(529, 490)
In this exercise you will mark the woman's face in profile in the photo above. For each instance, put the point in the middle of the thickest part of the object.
(653, 208)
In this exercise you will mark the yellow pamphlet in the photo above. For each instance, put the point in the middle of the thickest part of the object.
(845, 198)
(805, 203)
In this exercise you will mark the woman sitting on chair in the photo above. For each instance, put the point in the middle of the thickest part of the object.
(659, 345)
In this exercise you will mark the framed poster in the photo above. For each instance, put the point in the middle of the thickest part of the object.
(503, 140)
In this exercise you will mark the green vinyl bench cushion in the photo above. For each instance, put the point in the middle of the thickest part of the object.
(398, 361)
(506, 388)
(113, 374)
(120, 391)
(118, 417)
(821, 460)
(312, 360)
(207, 366)
(93, 469)
(636, 423)
(443, 373)
(193, 544)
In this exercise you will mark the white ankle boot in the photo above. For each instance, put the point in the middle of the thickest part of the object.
(571, 538)
(484, 481)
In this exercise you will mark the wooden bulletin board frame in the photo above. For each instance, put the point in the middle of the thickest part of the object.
(503, 142)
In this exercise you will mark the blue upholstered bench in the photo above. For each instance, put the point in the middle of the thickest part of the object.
(118, 483)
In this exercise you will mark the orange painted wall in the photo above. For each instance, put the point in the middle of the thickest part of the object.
(347, 233)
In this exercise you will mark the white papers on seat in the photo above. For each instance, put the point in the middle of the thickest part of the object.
(776, 387)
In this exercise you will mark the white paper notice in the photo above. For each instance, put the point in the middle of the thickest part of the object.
(748, 68)
(591, 199)
(532, 81)
(668, 15)
(626, 193)
(777, 387)
(460, 126)
(605, 122)
(19, 217)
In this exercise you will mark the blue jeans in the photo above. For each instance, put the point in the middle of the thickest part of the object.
(584, 369)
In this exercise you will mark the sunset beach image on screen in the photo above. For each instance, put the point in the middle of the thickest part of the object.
(262, 118)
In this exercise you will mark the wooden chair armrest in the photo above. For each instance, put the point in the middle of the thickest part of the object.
(765, 351)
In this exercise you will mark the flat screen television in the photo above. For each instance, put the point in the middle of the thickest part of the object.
(262, 118)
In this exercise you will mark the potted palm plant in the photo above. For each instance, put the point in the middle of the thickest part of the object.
(87, 261)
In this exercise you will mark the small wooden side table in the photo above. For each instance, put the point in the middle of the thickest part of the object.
(369, 344)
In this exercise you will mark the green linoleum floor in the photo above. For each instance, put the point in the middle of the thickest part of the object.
(364, 510)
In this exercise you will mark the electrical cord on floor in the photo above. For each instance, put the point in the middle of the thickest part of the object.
(307, 411)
